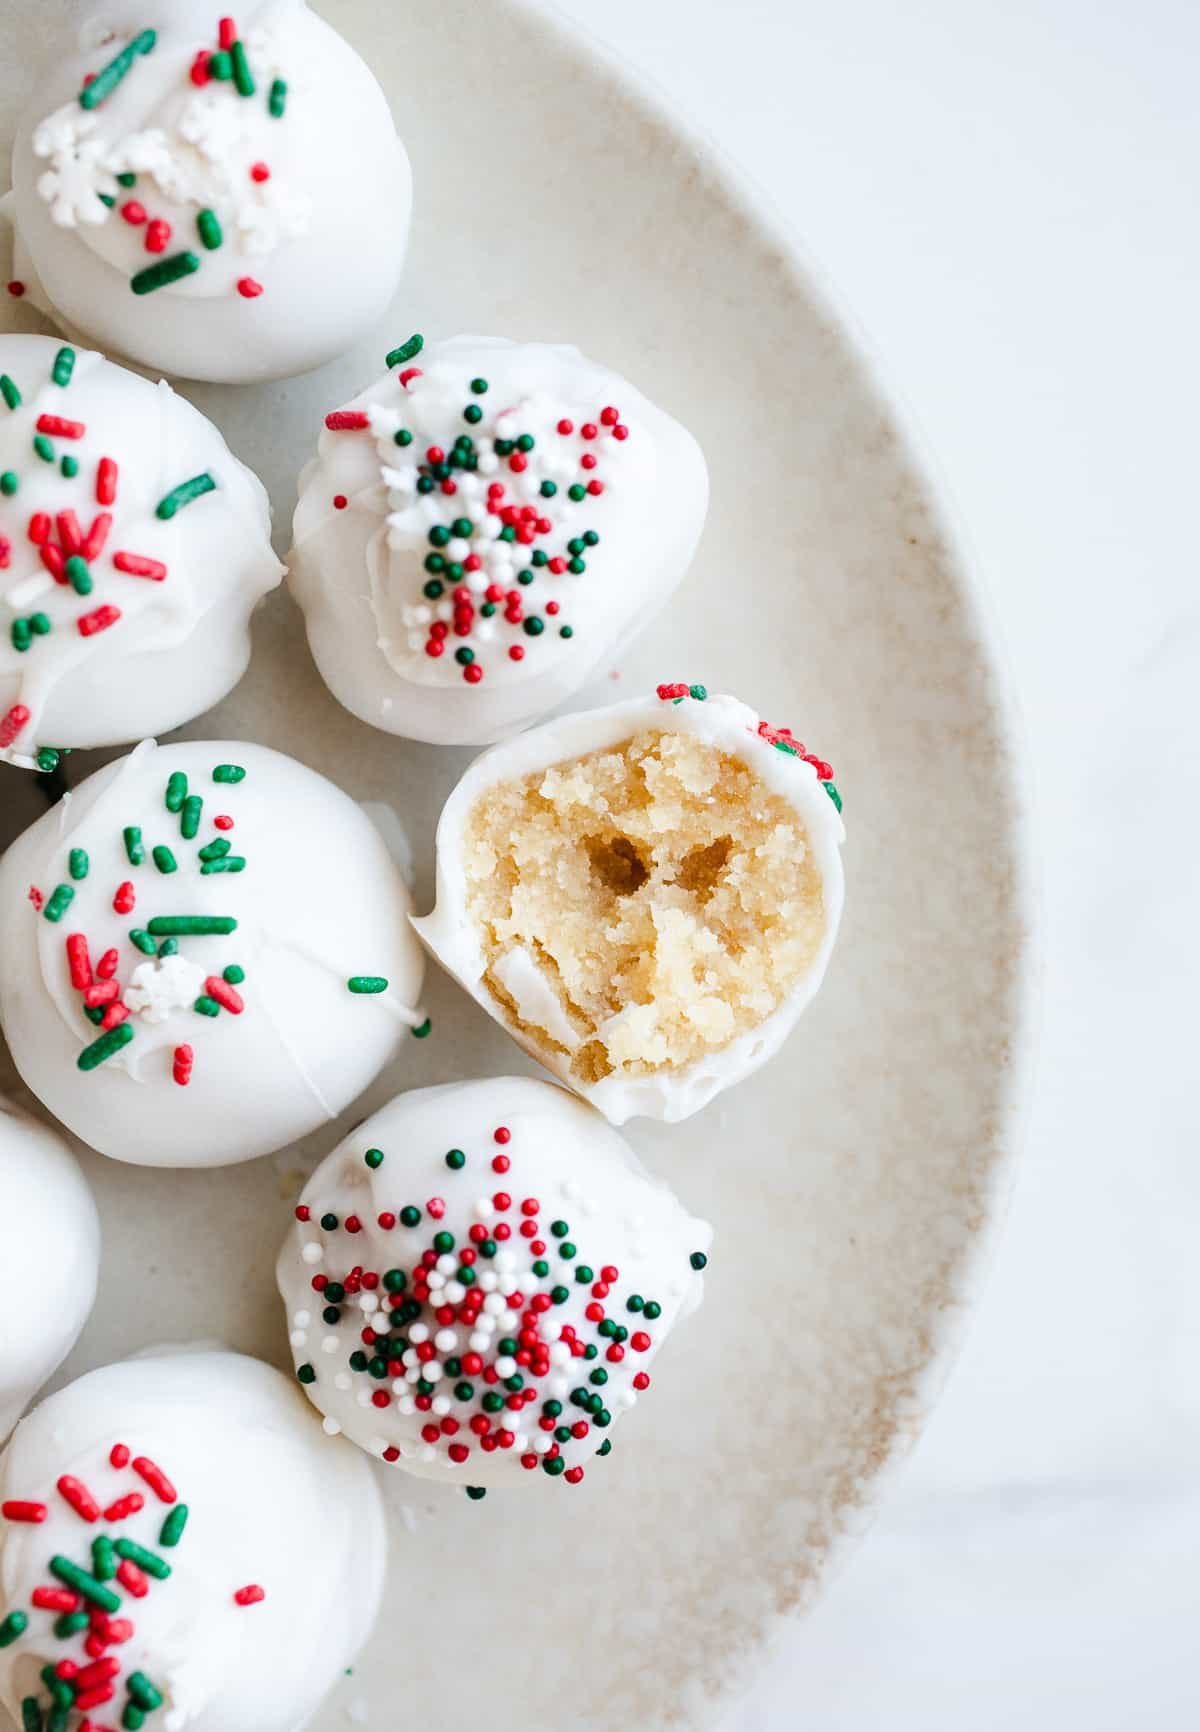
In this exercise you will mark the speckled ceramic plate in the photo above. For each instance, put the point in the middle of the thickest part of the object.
(850, 1180)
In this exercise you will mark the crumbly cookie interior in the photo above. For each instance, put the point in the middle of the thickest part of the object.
(641, 906)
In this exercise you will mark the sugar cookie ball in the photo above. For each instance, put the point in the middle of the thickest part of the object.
(645, 896)
(179, 1545)
(223, 198)
(479, 1279)
(204, 954)
(482, 528)
(133, 549)
(51, 1256)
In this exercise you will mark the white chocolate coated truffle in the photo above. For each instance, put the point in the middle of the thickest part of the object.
(51, 1257)
(233, 1557)
(645, 896)
(482, 528)
(133, 549)
(528, 1268)
(222, 199)
(204, 954)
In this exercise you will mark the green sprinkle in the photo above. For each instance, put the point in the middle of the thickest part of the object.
(164, 859)
(233, 974)
(107, 79)
(64, 366)
(21, 634)
(148, 1561)
(133, 1719)
(214, 850)
(169, 947)
(80, 576)
(142, 940)
(208, 227)
(242, 75)
(40, 623)
(70, 1625)
(177, 787)
(13, 1626)
(8, 483)
(227, 772)
(59, 902)
(183, 495)
(456, 1160)
(226, 863)
(69, 467)
(165, 272)
(77, 863)
(191, 925)
(62, 1567)
(47, 759)
(134, 847)
(109, 1043)
(43, 448)
(189, 820)
(277, 100)
(106, 198)
(698, 692)
(104, 1559)
(220, 65)
(374, 1159)
(367, 983)
(31, 1715)
(206, 1006)
(172, 1529)
(9, 391)
(127, 180)
(407, 351)
(306, 1374)
(833, 794)
(144, 1693)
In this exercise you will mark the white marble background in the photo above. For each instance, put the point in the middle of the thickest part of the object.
(1006, 193)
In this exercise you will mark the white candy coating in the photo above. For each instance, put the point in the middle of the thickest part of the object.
(579, 1171)
(359, 571)
(271, 1503)
(452, 937)
(182, 639)
(51, 1257)
(309, 253)
(318, 902)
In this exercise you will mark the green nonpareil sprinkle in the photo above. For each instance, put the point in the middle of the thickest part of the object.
(79, 575)
(64, 366)
(226, 863)
(367, 983)
(59, 902)
(205, 1006)
(107, 79)
(109, 1043)
(134, 849)
(69, 467)
(153, 1565)
(228, 773)
(13, 1626)
(172, 1529)
(192, 925)
(208, 227)
(63, 1568)
(406, 352)
(77, 863)
(9, 392)
(177, 787)
(104, 1559)
(233, 974)
(189, 817)
(184, 494)
(215, 849)
(373, 1159)
(277, 101)
(47, 759)
(165, 272)
(242, 75)
(43, 448)
(141, 940)
(164, 859)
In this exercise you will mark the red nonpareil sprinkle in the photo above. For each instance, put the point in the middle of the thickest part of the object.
(131, 1578)
(125, 898)
(17, 1510)
(106, 481)
(409, 374)
(340, 502)
(39, 528)
(134, 212)
(54, 1599)
(12, 723)
(97, 535)
(248, 288)
(347, 420)
(100, 618)
(79, 962)
(226, 996)
(609, 417)
(181, 1069)
(516, 653)
(502, 1134)
(473, 673)
(137, 565)
(223, 821)
(250, 1595)
(436, 1207)
(53, 559)
(58, 427)
(118, 1455)
(16, 289)
(74, 1492)
(566, 426)
(158, 236)
(259, 172)
(69, 533)
(198, 72)
(155, 1478)
(125, 1506)
(226, 34)
(641, 1381)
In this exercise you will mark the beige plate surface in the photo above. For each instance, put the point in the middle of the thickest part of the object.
(848, 1182)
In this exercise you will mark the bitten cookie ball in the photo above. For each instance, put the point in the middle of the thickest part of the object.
(479, 1280)
(645, 896)
(204, 954)
(221, 197)
(180, 1547)
(482, 528)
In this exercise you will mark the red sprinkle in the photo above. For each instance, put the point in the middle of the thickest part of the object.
(130, 1504)
(155, 1478)
(259, 172)
(52, 558)
(60, 427)
(248, 288)
(125, 898)
(16, 289)
(118, 1455)
(409, 374)
(79, 962)
(131, 1578)
(74, 1492)
(223, 821)
(94, 1698)
(133, 212)
(97, 535)
(39, 528)
(54, 1599)
(199, 68)
(17, 1511)
(340, 502)
(226, 33)
(106, 481)
(181, 1070)
(69, 533)
(250, 1595)
(347, 420)
(158, 236)
(137, 565)
(226, 996)
(100, 618)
